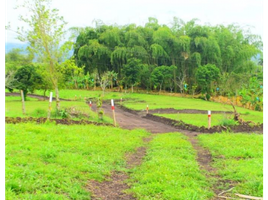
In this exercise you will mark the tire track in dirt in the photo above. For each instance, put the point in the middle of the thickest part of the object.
(205, 160)
(114, 187)
(131, 120)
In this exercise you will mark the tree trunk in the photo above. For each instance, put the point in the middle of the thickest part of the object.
(174, 75)
(112, 82)
(57, 98)
(45, 94)
(132, 88)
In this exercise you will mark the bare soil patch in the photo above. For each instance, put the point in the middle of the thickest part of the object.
(115, 185)
(245, 127)
(131, 120)
(186, 111)
(15, 120)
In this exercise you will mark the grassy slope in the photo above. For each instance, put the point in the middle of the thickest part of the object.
(35, 108)
(170, 171)
(238, 157)
(140, 101)
(55, 162)
(202, 119)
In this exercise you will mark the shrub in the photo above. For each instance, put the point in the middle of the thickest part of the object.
(227, 122)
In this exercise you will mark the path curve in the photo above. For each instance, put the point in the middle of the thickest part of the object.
(131, 121)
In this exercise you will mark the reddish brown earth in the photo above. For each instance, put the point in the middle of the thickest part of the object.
(128, 120)
(188, 111)
(245, 127)
(41, 120)
(113, 188)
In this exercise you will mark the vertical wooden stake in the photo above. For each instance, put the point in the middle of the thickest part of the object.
(209, 119)
(112, 104)
(22, 100)
(147, 109)
(90, 104)
(50, 105)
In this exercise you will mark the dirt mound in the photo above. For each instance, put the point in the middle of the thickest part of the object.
(187, 111)
(246, 127)
(15, 120)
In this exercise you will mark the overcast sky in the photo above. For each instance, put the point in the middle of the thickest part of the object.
(246, 13)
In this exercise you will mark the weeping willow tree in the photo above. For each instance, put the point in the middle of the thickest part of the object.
(185, 45)
(96, 55)
(158, 55)
(118, 59)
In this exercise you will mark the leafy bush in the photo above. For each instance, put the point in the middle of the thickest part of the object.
(63, 113)
(228, 122)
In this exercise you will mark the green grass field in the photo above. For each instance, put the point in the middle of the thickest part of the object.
(35, 108)
(51, 161)
(239, 158)
(56, 161)
(216, 119)
(170, 171)
(137, 101)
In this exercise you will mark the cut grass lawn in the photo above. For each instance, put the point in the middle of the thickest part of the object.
(239, 158)
(170, 171)
(56, 161)
(13, 108)
(216, 119)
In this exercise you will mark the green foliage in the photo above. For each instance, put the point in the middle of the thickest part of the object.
(131, 71)
(253, 93)
(162, 76)
(206, 76)
(27, 79)
(228, 122)
(62, 113)
(186, 45)
(45, 34)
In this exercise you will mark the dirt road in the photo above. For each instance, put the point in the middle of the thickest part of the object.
(131, 121)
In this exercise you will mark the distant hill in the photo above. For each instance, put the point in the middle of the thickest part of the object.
(9, 46)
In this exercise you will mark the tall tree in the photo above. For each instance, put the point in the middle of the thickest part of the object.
(206, 75)
(132, 70)
(45, 36)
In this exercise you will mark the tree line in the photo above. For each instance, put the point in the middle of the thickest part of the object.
(183, 57)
